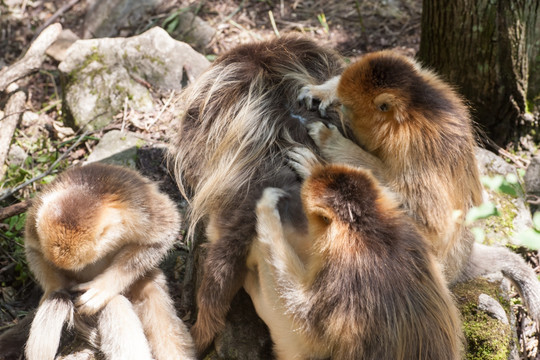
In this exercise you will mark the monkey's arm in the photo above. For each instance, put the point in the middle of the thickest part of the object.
(289, 271)
(325, 92)
(129, 264)
(48, 276)
(338, 149)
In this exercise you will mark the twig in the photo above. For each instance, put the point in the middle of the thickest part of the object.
(161, 111)
(33, 58)
(14, 209)
(14, 108)
(533, 199)
(12, 191)
(273, 22)
(55, 16)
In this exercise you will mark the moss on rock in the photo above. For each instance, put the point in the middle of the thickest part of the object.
(487, 338)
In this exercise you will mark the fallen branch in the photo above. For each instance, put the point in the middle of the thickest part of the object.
(33, 58)
(14, 209)
(13, 111)
(55, 16)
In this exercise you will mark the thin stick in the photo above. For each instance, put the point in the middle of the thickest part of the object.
(33, 58)
(273, 22)
(55, 16)
(14, 209)
(161, 111)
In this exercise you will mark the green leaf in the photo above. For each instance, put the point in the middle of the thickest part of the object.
(530, 238)
(492, 182)
(479, 235)
(536, 220)
(483, 211)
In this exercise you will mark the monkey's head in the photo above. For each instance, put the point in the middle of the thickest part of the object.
(73, 226)
(345, 206)
(385, 94)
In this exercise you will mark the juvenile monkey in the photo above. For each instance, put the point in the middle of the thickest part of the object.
(100, 231)
(417, 138)
(370, 287)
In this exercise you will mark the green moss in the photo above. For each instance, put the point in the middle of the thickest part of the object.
(487, 338)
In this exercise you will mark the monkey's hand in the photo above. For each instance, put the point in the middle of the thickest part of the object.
(336, 148)
(94, 297)
(325, 92)
(302, 160)
(329, 139)
(268, 218)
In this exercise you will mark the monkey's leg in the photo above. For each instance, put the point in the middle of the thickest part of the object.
(224, 273)
(338, 149)
(289, 271)
(325, 92)
(485, 260)
(167, 335)
(131, 262)
(46, 329)
(121, 332)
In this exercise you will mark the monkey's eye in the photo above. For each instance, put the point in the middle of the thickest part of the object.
(325, 219)
(384, 107)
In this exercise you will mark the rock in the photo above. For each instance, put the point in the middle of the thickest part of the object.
(59, 48)
(532, 181)
(116, 147)
(99, 75)
(492, 307)
(486, 336)
(106, 17)
(16, 155)
(514, 213)
(193, 30)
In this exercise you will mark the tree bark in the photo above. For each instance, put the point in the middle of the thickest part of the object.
(484, 47)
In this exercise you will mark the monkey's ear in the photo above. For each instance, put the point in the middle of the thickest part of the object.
(385, 102)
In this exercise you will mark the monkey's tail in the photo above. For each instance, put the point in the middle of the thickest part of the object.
(486, 259)
(46, 329)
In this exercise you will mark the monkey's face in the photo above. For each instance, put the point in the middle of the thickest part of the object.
(381, 95)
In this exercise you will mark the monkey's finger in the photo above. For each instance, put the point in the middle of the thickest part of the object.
(302, 160)
(306, 96)
(271, 196)
(92, 301)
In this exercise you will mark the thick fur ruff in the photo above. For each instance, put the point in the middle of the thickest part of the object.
(240, 119)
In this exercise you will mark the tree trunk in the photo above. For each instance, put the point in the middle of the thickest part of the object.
(484, 47)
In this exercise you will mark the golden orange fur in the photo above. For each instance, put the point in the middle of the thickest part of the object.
(240, 120)
(370, 287)
(417, 138)
(100, 231)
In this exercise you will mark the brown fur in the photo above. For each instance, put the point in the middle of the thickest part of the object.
(370, 288)
(239, 121)
(101, 231)
(420, 132)
(417, 138)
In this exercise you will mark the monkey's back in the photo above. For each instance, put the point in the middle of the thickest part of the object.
(379, 293)
(240, 118)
